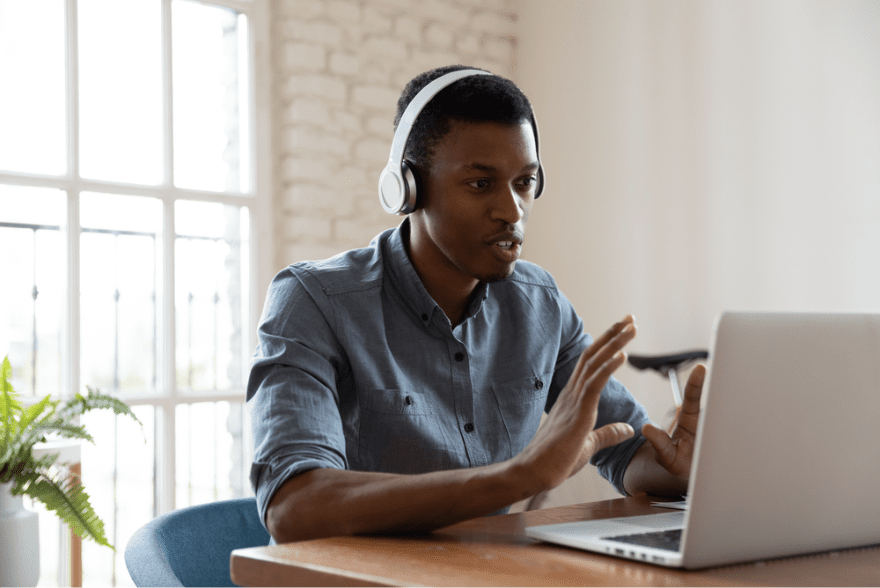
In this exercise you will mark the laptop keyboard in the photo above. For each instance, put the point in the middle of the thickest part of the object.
(669, 540)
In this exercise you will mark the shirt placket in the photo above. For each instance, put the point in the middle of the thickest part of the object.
(463, 394)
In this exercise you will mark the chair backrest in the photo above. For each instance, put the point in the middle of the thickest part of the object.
(191, 546)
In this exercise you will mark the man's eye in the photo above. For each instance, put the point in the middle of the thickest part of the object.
(529, 181)
(480, 184)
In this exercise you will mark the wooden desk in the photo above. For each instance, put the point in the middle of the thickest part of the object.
(494, 551)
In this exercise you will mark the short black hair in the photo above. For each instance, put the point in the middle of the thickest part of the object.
(489, 98)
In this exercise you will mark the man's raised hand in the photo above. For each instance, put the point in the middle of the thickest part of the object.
(566, 440)
(674, 452)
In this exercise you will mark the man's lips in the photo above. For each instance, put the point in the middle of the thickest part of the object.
(506, 246)
(506, 240)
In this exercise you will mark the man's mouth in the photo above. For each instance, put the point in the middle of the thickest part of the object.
(507, 246)
(506, 240)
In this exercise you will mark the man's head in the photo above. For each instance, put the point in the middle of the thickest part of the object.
(475, 151)
(487, 98)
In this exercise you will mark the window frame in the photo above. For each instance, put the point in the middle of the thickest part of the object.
(257, 199)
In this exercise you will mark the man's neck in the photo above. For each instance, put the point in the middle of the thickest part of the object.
(454, 303)
(450, 289)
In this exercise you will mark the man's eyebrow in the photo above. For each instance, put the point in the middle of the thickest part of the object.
(491, 168)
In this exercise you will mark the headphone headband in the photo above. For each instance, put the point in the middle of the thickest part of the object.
(397, 185)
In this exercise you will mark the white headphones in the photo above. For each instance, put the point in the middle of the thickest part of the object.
(397, 182)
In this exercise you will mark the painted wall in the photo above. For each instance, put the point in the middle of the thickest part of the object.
(704, 155)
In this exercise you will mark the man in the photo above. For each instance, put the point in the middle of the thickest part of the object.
(400, 387)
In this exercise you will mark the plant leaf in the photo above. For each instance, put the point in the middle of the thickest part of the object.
(58, 426)
(9, 405)
(94, 400)
(33, 412)
(67, 499)
(97, 401)
(5, 375)
(23, 428)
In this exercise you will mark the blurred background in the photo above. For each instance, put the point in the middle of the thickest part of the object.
(704, 156)
(161, 160)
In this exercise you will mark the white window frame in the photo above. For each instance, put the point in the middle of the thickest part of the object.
(257, 200)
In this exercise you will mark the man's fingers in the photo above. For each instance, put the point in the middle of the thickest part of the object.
(591, 385)
(618, 342)
(686, 420)
(662, 444)
(582, 365)
(610, 435)
(608, 335)
(694, 390)
(594, 359)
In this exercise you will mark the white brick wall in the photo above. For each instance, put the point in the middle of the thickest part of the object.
(338, 69)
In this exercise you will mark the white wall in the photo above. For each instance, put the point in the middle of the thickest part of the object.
(339, 67)
(704, 155)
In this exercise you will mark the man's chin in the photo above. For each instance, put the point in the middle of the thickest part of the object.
(499, 275)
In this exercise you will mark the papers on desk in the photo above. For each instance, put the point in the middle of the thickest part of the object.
(678, 505)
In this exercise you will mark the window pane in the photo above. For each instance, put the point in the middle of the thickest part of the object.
(211, 150)
(32, 295)
(120, 244)
(120, 85)
(212, 455)
(119, 475)
(211, 252)
(32, 78)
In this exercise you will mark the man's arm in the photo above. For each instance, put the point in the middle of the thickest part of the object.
(662, 465)
(327, 502)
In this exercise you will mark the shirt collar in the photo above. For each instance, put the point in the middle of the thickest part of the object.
(407, 281)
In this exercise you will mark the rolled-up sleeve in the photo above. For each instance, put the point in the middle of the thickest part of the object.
(617, 405)
(292, 389)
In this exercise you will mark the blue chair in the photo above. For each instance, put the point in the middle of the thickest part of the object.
(191, 546)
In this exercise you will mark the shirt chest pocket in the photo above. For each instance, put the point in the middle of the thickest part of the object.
(399, 433)
(521, 403)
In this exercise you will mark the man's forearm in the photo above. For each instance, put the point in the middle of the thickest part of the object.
(645, 476)
(327, 502)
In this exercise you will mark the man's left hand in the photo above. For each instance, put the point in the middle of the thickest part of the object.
(674, 452)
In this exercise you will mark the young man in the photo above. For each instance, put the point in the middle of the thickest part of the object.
(400, 387)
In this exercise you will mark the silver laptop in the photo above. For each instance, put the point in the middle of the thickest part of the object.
(787, 455)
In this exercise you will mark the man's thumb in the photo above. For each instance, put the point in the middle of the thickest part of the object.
(611, 434)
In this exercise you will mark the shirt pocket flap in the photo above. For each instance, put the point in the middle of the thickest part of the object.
(522, 390)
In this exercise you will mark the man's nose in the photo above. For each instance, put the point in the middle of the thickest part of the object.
(509, 205)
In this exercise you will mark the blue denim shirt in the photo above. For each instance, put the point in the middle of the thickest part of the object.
(358, 368)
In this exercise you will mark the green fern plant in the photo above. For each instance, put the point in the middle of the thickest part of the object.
(22, 428)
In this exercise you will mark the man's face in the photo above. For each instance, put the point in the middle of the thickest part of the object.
(477, 198)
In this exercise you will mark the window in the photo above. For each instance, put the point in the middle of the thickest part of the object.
(128, 196)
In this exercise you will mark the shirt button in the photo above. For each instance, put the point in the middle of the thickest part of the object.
(459, 356)
(425, 317)
(469, 428)
(538, 384)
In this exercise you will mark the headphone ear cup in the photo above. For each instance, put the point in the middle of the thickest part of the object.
(540, 188)
(398, 189)
(391, 189)
(411, 191)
